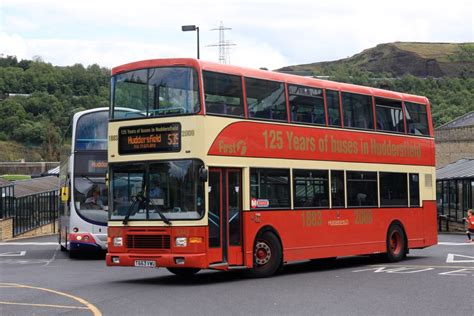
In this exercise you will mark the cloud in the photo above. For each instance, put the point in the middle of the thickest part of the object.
(269, 33)
(67, 52)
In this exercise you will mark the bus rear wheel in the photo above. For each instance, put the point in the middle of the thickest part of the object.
(267, 256)
(185, 272)
(396, 244)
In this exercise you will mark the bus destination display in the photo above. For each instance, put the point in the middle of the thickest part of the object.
(150, 138)
(90, 163)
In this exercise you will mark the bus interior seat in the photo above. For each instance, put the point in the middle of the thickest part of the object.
(216, 107)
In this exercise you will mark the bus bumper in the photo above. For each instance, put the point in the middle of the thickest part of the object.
(169, 260)
(78, 246)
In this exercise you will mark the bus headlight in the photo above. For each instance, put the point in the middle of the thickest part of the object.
(181, 242)
(118, 242)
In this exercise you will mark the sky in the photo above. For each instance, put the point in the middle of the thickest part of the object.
(266, 33)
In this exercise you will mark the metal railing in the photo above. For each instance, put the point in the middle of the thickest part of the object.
(28, 212)
(7, 201)
(34, 211)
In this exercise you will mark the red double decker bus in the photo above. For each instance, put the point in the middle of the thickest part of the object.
(220, 167)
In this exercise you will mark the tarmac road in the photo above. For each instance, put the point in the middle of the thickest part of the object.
(36, 278)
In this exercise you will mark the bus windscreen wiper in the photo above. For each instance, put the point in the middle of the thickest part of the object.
(137, 200)
(157, 209)
(90, 180)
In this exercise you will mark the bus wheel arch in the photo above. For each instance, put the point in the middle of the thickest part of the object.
(183, 272)
(267, 253)
(396, 242)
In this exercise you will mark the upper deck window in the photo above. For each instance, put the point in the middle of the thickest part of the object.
(389, 115)
(91, 131)
(155, 92)
(417, 119)
(223, 94)
(334, 111)
(266, 99)
(306, 104)
(357, 109)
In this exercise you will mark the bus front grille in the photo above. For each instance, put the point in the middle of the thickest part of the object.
(148, 241)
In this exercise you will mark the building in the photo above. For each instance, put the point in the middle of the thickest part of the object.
(455, 140)
(455, 189)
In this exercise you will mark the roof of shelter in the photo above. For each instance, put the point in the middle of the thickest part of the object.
(461, 169)
(36, 185)
(462, 121)
(4, 182)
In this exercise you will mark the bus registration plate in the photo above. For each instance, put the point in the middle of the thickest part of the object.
(145, 263)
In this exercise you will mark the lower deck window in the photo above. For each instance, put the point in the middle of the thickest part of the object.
(362, 189)
(414, 190)
(269, 188)
(310, 188)
(393, 189)
(337, 189)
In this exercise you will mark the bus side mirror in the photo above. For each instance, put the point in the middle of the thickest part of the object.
(203, 174)
(64, 194)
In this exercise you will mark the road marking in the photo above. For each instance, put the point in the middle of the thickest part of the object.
(449, 243)
(456, 272)
(20, 261)
(29, 243)
(43, 305)
(52, 258)
(425, 266)
(450, 258)
(95, 311)
(13, 254)
(404, 270)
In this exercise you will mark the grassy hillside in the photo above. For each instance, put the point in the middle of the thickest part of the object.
(13, 151)
(35, 122)
(397, 59)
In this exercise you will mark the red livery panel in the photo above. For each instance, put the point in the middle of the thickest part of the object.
(253, 139)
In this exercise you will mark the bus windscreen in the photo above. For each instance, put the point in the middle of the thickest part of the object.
(91, 132)
(90, 191)
(155, 92)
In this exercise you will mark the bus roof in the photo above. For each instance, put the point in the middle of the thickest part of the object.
(268, 75)
(93, 110)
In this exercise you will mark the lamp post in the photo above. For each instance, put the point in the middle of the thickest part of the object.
(188, 28)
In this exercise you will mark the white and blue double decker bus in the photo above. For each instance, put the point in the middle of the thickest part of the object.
(84, 206)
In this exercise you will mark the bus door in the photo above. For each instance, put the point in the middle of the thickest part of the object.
(225, 216)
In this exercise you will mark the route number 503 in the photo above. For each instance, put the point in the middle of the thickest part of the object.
(273, 139)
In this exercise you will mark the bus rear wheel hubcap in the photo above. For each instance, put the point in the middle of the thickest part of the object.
(263, 253)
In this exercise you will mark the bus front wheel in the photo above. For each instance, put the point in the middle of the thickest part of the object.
(61, 247)
(185, 272)
(267, 256)
(396, 243)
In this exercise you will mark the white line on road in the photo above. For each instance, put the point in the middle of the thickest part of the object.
(450, 258)
(13, 254)
(25, 261)
(446, 243)
(28, 244)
